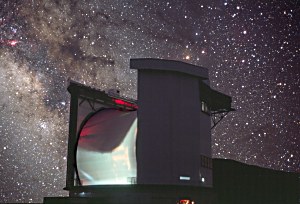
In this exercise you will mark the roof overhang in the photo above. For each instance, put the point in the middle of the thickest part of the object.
(217, 101)
(169, 65)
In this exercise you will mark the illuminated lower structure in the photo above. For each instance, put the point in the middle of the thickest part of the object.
(155, 150)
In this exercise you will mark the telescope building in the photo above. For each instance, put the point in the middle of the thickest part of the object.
(155, 149)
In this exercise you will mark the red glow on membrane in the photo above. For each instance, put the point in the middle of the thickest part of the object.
(124, 103)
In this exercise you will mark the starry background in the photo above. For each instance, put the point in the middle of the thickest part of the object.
(250, 47)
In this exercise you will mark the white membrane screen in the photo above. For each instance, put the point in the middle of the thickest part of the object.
(106, 148)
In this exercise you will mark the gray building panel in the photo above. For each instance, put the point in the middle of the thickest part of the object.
(172, 130)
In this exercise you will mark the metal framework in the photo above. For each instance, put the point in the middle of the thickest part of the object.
(217, 116)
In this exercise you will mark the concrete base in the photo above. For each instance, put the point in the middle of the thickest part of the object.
(146, 194)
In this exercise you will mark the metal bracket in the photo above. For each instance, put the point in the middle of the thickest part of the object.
(216, 117)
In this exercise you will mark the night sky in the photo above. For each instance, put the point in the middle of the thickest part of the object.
(251, 48)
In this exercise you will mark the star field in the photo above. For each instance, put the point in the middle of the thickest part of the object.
(251, 48)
